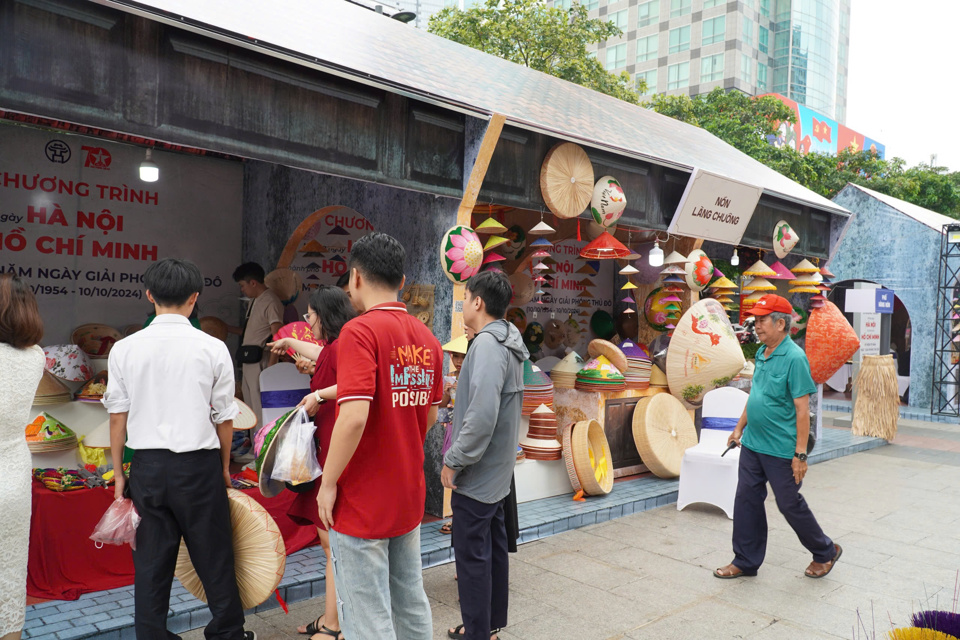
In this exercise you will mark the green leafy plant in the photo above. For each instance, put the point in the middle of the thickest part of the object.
(691, 392)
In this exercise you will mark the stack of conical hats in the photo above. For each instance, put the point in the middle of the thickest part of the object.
(51, 391)
(537, 388)
(600, 375)
(541, 441)
(564, 373)
(639, 364)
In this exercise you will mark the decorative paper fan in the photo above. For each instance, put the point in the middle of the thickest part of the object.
(608, 201)
(604, 247)
(699, 270)
(297, 331)
(784, 238)
(490, 226)
(830, 341)
(806, 266)
(566, 180)
(760, 270)
(461, 254)
(704, 352)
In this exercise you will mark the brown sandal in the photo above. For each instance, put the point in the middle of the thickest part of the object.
(447, 528)
(817, 570)
(730, 572)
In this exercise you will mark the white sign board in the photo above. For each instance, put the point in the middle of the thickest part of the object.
(860, 301)
(869, 332)
(80, 227)
(714, 207)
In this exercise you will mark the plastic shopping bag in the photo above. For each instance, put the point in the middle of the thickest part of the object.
(296, 460)
(118, 525)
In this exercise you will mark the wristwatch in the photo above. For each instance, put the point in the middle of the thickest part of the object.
(802, 457)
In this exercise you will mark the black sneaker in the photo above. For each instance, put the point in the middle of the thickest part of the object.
(249, 635)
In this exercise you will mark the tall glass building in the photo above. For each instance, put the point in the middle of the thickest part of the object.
(797, 48)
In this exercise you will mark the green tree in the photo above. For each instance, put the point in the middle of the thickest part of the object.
(548, 39)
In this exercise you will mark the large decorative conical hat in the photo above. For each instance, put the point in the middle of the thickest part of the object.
(523, 289)
(605, 247)
(68, 362)
(51, 390)
(784, 238)
(566, 180)
(805, 266)
(704, 352)
(46, 434)
(760, 270)
(662, 431)
(830, 341)
(259, 554)
(600, 368)
(461, 254)
(699, 270)
(675, 257)
(96, 339)
(610, 351)
(608, 201)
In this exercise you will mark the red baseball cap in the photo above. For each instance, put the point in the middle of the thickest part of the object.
(770, 303)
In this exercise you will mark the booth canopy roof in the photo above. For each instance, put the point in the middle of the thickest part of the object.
(342, 38)
(929, 218)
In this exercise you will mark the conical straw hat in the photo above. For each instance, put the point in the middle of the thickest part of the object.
(760, 270)
(246, 419)
(782, 272)
(99, 437)
(592, 458)
(759, 284)
(571, 363)
(68, 362)
(657, 377)
(267, 457)
(675, 257)
(96, 339)
(493, 242)
(490, 226)
(50, 387)
(723, 283)
(662, 431)
(699, 270)
(259, 554)
(704, 352)
(784, 238)
(611, 351)
(540, 229)
(566, 180)
(286, 283)
(805, 266)
(213, 326)
(830, 341)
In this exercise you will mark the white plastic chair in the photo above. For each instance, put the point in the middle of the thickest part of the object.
(282, 388)
(704, 475)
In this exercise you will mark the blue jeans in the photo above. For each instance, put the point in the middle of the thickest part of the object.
(380, 587)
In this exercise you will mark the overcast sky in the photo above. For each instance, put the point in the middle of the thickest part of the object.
(904, 83)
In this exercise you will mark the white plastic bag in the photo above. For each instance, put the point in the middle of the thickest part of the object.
(118, 525)
(296, 460)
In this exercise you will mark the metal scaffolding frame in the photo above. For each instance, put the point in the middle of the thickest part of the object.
(946, 357)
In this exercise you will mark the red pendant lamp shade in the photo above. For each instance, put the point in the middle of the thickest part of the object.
(605, 247)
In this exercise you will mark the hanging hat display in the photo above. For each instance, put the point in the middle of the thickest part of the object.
(830, 341)
(541, 441)
(537, 388)
(784, 239)
(493, 242)
(723, 283)
(704, 352)
(490, 226)
(629, 270)
(608, 201)
(698, 270)
(676, 257)
(823, 289)
(96, 340)
(566, 180)
(461, 254)
(599, 374)
(663, 430)
(759, 269)
(286, 283)
(68, 362)
(564, 373)
(782, 273)
(759, 284)
(490, 258)
(51, 391)
(805, 266)
(46, 434)
(541, 229)
(541, 243)
(603, 248)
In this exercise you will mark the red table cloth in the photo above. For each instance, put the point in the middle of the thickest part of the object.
(65, 562)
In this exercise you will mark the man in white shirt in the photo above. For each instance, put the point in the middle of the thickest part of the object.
(170, 397)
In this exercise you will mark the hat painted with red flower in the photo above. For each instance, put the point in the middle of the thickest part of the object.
(771, 303)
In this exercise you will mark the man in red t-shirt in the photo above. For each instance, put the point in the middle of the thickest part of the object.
(389, 385)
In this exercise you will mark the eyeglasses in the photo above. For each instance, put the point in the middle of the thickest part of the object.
(306, 317)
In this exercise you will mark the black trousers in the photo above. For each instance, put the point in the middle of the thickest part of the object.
(483, 574)
(182, 494)
(750, 516)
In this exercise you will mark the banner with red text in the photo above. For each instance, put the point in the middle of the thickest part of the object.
(79, 226)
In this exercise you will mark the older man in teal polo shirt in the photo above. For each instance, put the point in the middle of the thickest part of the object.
(773, 433)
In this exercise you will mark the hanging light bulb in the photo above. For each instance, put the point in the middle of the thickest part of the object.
(149, 171)
(656, 255)
(734, 259)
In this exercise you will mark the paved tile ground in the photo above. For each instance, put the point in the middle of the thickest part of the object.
(895, 510)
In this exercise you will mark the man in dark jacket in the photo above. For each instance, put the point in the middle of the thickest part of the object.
(478, 467)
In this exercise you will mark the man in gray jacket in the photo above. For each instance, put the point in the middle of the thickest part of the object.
(478, 467)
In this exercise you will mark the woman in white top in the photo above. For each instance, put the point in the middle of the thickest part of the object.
(21, 365)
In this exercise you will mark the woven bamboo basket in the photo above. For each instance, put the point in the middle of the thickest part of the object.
(565, 439)
(566, 180)
(877, 408)
(662, 431)
(592, 458)
(260, 555)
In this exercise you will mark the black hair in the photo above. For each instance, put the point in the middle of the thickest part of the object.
(332, 306)
(493, 287)
(379, 258)
(343, 280)
(249, 271)
(172, 281)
